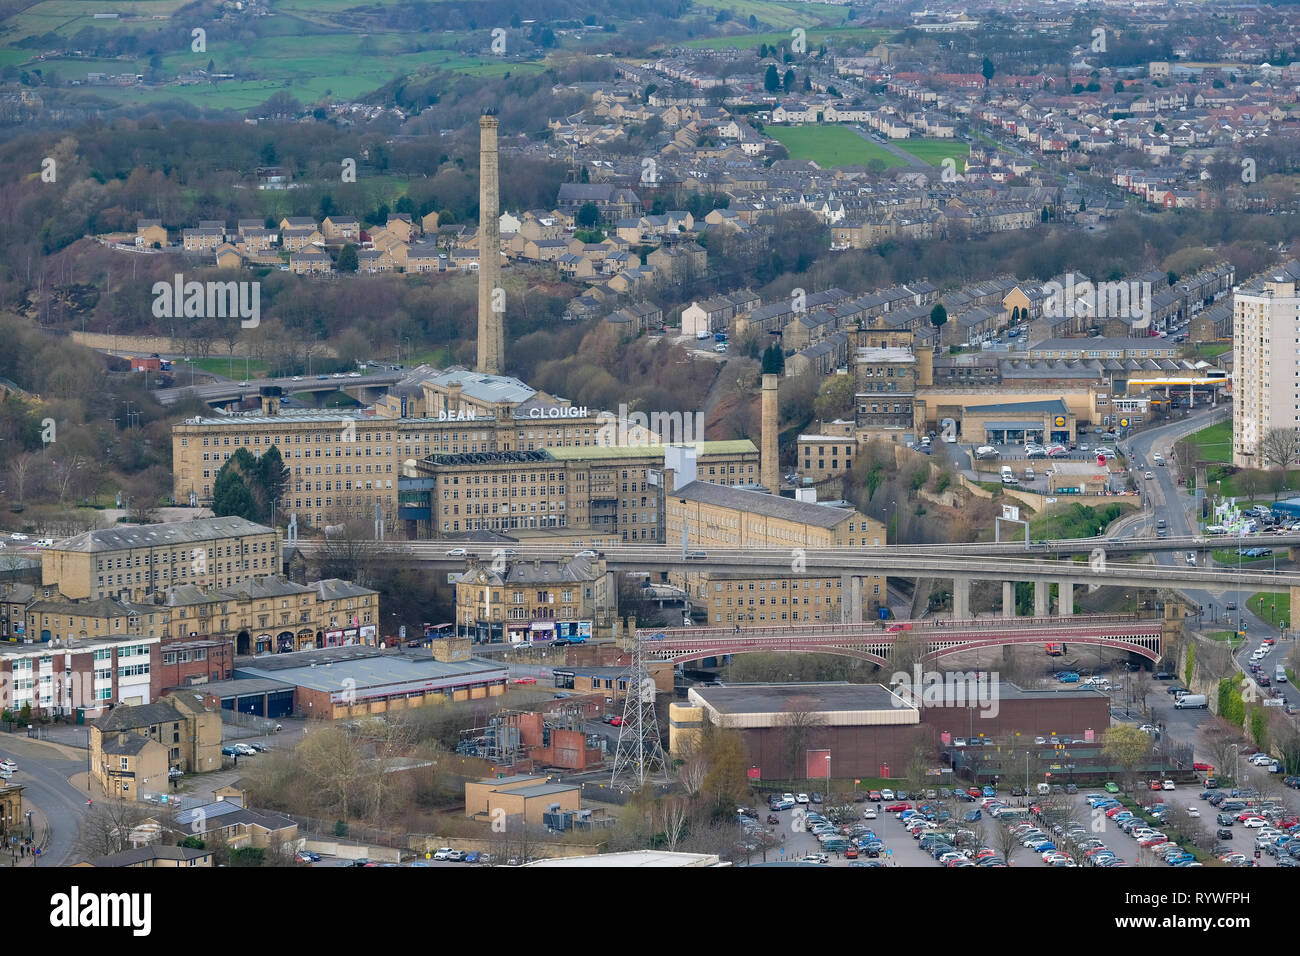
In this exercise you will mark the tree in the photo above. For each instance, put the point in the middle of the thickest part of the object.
(986, 70)
(1280, 447)
(773, 360)
(348, 258)
(938, 315)
(1006, 842)
(787, 81)
(273, 471)
(332, 762)
(797, 723)
(106, 828)
(1129, 748)
(771, 79)
(230, 495)
(726, 783)
(835, 398)
(588, 216)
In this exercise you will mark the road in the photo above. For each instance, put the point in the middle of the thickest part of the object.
(44, 772)
(1170, 501)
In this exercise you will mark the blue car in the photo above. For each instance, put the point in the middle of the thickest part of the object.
(989, 792)
(473, 856)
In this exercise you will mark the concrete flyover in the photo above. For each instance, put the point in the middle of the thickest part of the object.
(365, 389)
(894, 562)
(870, 642)
(852, 565)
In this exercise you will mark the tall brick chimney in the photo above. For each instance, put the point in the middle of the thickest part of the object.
(491, 325)
(769, 466)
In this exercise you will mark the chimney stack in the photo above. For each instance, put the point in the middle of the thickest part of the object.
(769, 466)
(491, 331)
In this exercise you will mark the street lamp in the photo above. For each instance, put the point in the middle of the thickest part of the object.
(828, 777)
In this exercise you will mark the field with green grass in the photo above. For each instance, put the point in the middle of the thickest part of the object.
(1213, 443)
(836, 37)
(830, 146)
(778, 13)
(437, 358)
(1271, 605)
(935, 151)
(1213, 349)
(229, 366)
(308, 50)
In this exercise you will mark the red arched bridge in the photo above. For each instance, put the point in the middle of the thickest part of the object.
(873, 641)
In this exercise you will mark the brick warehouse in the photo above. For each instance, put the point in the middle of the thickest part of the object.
(871, 731)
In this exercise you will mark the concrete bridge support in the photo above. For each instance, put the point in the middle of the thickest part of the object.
(850, 599)
(1065, 598)
(961, 598)
(1042, 599)
(1008, 598)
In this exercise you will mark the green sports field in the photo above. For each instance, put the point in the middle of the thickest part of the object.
(935, 151)
(831, 146)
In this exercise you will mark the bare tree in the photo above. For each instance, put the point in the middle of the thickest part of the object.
(1280, 447)
(671, 817)
(1005, 842)
(21, 468)
(1219, 736)
(691, 769)
(352, 553)
(106, 828)
(797, 723)
(1141, 688)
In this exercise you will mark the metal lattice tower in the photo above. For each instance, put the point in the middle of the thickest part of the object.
(639, 756)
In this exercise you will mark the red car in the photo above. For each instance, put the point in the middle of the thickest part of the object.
(1155, 785)
(975, 792)
(850, 854)
(616, 721)
(1203, 766)
(898, 807)
(875, 795)
(525, 680)
(1287, 823)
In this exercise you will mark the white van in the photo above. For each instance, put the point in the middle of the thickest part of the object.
(1279, 674)
(1044, 789)
(1008, 476)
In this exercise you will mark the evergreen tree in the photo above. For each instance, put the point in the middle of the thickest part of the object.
(773, 360)
(348, 258)
(771, 81)
(938, 316)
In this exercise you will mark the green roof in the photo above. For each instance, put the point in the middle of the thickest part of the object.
(739, 446)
